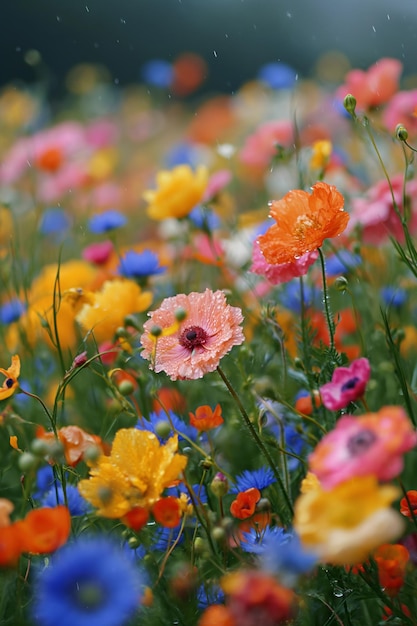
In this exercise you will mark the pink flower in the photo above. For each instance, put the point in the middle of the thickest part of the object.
(402, 109)
(98, 253)
(260, 147)
(283, 272)
(191, 348)
(372, 444)
(216, 183)
(374, 86)
(375, 212)
(347, 384)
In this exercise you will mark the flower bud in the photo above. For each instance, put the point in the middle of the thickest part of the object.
(121, 333)
(341, 283)
(219, 485)
(92, 454)
(180, 314)
(350, 104)
(39, 447)
(156, 331)
(130, 320)
(163, 429)
(401, 132)
(27, 461)
(218, 534)
(125, 388)
(207, 463)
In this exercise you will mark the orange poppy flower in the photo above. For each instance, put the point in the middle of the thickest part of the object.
(12, 374)
(75, 441)
(167, 512)
(44, 530)
(304, 221)
(217, 615)
(408, 505)
(245, 503)
(205, 418)
(10, 545)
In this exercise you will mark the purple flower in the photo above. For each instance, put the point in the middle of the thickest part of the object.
(347, 384)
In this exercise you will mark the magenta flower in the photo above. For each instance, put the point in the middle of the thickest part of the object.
(347, 385)
(371, 444)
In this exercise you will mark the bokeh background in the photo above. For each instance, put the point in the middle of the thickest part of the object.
(235, 37)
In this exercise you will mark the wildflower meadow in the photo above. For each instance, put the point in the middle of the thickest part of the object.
(208, 326)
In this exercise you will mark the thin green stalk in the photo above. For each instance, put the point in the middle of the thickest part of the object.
(326, 302)
(256, 438)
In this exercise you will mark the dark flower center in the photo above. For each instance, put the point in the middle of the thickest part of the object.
(193, 337)
(89, 595)
(9, 382)
(360, 443)
(350, 384)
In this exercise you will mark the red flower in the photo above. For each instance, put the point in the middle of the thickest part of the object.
(44, 530)
(408, 505)
(136, 518)
(245, 503)
(392, 562)
(167, 512)
(205, 418)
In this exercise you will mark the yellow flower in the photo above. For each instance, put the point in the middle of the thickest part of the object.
(135, 474)
(110, 306)
(322, 150)
(344, 525)
(12, 374)
(179, 190)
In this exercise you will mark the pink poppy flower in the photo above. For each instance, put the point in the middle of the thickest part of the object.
(193, 347)
(374, 86)
(372, 444)
(98, 253)
(402, 109)
(260, 147)
(347, 385)
(282, 272)
(375, 213)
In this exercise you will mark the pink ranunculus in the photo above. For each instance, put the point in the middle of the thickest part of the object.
(375, 213)
(369, 445)
(374, 86)
(347, 385)
(402, 109)
(260, 147)
(283, 272)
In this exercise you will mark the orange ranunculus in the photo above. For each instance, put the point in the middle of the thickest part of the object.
(205, 418)
(304, 221)
(245, 503)
(44, 530)
(392, 560)
(12, 374)
(167, 512)
(408, 504)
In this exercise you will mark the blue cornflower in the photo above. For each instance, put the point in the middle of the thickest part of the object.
(89, 583)
(158, 73)
(342, 262)
(204, 218)
(55, 221)
(11, 311)
(75, 502)
(278, 75)
(259, 478)
(45, 480)
(393, 296)
(290, 296)
(254, 541)
(207, 595)
(282, 554)
(165, 537)
(199, 492)
(159, 424)
(104, 222)
(183, 154)
(140, 264)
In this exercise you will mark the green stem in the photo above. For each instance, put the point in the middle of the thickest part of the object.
(256, 437)
(326, 302)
